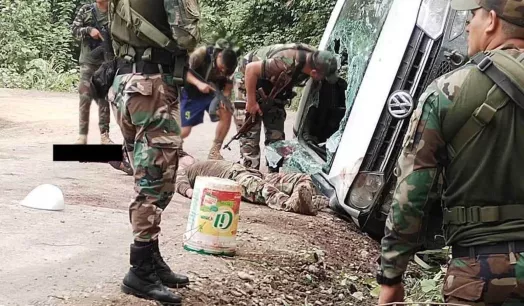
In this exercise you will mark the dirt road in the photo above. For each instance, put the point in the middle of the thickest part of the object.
(78, 256)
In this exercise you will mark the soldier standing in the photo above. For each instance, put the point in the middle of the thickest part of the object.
(151, 57)
(275, 70)
(90, 20)
(214, 64)
(467, 124)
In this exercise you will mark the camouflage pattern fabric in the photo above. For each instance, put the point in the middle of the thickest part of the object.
(487, 280)
(82, 26)
(283, 64)
(281, 191)
(509, 10)
(273, 119)
(442, 110)
(84, 89)
(147, 109)
(256, 190)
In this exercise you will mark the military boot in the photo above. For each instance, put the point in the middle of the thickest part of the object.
(301, 201)
(320, 202)
(104, 138)
(214, 153)
(165, 273)
(143, 281)
(82, 139)
(123, 166)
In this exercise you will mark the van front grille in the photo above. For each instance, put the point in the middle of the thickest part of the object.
(412, 77)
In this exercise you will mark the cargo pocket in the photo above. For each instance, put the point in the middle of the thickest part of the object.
(462, 280)
(163, 140)
(168, 145)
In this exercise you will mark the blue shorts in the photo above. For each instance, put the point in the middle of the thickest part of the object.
(192, 109)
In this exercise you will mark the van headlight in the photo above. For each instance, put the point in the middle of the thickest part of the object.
(432, 17)
(365, 190)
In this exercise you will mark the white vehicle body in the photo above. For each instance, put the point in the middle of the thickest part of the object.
(417, 40)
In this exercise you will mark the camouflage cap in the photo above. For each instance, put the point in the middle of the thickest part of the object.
(510, 10)
(326, 63)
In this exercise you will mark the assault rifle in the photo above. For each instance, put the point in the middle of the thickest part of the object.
(100, 46)
(219, 96)
(249, 123)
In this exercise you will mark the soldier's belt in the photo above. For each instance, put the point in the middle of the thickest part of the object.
(144, 67)
(483, 214)
(497, 248)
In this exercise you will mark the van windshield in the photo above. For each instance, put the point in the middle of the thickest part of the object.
(353, 38)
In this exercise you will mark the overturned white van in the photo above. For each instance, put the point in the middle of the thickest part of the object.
(389, 51)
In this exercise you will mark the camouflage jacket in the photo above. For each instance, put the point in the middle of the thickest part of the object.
(82, 25)
(477, 174)
(282, 64)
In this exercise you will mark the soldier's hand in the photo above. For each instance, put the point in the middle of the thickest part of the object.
(253, 109)
(189, 193)
(205, 88)
(95, 34)
(391, 294)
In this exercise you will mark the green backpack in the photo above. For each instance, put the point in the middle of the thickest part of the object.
(507, 73)
(186, 29)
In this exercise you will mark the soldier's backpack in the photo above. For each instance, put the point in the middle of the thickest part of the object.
(507, 73)
(186, 28)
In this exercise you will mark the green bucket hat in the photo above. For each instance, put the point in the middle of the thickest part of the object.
(511, 11)
(327, 64)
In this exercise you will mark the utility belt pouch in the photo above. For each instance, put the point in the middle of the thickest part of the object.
(180, 67)
(103, 78)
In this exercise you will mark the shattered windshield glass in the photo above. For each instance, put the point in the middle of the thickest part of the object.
(353, 39)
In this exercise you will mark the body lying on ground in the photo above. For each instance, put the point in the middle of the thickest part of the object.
(292, 192)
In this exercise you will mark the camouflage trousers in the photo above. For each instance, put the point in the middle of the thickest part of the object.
(273, 119)
(84, 89)
(277, 190)
(486, 280)
(147, 111)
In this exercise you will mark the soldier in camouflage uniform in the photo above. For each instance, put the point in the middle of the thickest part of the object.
(292, 192)
(276, 70)
(468, 127)
(85, 28)
(144, 98)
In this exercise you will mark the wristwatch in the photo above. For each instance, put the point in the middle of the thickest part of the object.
(382, 280)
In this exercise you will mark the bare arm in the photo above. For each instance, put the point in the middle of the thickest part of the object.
(253, 73)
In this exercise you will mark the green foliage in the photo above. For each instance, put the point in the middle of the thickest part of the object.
(36, 44)
(42, 75)
(37, 49)
(425, 288)
(255, 23)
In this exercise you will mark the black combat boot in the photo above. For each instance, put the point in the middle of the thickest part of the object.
(142, 280)
(167, 276)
